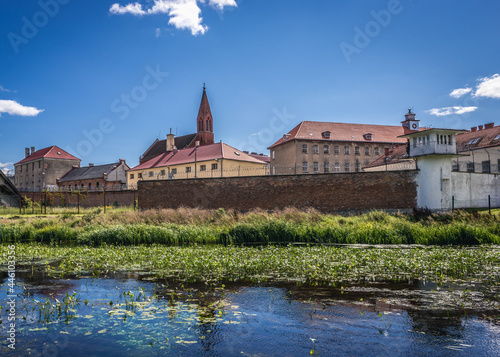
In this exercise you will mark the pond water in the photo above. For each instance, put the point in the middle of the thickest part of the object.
(128, 315)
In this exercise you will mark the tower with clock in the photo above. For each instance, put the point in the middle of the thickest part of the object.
(410, 124)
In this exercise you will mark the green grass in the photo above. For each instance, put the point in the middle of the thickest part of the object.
(181, 227)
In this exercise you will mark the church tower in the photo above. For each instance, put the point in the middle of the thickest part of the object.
(205, 122)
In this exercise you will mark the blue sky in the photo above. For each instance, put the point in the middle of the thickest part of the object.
(104, 79)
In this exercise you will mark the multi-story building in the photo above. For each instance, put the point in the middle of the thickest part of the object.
(324, 147)
(477, 151)
(208, 161)
(95, 177)
(40, 169)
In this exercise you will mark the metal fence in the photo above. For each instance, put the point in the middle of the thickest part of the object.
(484, 167)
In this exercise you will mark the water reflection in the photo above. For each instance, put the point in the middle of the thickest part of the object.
(124, 316)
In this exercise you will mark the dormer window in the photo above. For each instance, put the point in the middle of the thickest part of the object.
(326, 134)
(474, 141)
(367, 136)
(286, 137)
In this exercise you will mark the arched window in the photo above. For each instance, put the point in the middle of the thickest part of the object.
(201, 125)
(207, 127)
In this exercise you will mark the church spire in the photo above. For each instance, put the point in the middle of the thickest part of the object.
(205, 120)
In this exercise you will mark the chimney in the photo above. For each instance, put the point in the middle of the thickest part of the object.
(386, 152)
(479, 127)
(246, 152)
(473, 129)
(196, 143)
(32, 150)
(122, 161)
(170, 141)
(91, 165)
(489, 125)
(26, 152)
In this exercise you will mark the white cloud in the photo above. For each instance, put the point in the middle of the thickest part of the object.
(2, 89)
(134, 9)
(460, 92)
(6, 167)
(221, 3)
(489, 87)
(14, 108)
(158, 32)
(184, 14)
(440, 112)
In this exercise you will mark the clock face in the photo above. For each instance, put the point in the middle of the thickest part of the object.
(414, 126)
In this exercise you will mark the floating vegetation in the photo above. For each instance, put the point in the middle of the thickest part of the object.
(304, 264)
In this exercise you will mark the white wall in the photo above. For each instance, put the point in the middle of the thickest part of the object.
(434, 188)
(472, 189)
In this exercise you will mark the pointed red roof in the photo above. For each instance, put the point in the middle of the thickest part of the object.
(204, 105)
(53, 152)
(203, 153)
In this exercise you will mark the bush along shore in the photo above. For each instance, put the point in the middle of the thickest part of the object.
(290, 226)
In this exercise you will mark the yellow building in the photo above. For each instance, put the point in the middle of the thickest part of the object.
(208, 161)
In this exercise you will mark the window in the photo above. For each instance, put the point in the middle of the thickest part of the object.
(356, 150)
(357, 166)
(326, 149)
(470, 167)
(33, 166)
(90, 186)
(188, 169)
(367, 136)
(367, 151)
(81, 186)
(151, 174)
(163, 172)
(316, 167)
(173, 171)
(347, 167)
(131, 176)
(449, 139)
(414, 142)
(203, 167)
(21, 168)
(139, 175)
(305, 167)
(347, 150)
(377, 151)
(273, 154)
(326, 167)
(214, 166)
(326, 134)
(485, 165)
(315, 149)
(39, 177)
(336, 150)
(40, 164)
(454, 166)
(76, 186)
(337, 167)
(27, 167)
(97, 185)
(33, 179)
(474, 141)
(304, 149)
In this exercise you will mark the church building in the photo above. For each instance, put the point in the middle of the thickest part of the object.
(203, 136)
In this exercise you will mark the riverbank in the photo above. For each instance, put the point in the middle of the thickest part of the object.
(192, 226)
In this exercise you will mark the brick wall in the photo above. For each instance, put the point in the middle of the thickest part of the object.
(89, 199)
(325, 192)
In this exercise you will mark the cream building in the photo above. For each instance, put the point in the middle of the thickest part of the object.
(208, 161)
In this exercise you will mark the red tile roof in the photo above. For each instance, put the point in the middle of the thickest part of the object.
(203, 153)
(313, 130)
(471, 140)
(53, 152)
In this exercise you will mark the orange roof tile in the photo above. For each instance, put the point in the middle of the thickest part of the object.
(312, 130)
(53, 152)
(203, 153)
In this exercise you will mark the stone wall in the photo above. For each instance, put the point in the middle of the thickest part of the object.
(85, 199)
(394, 190)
